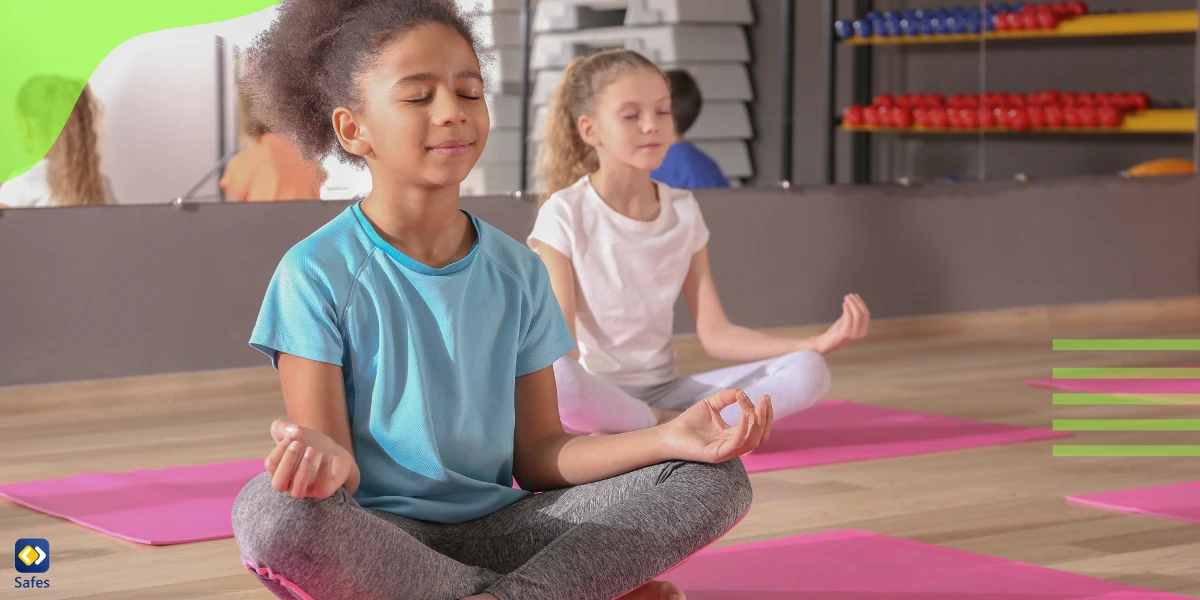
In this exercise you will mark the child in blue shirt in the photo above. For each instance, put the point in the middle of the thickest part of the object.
(687, 167)
(415, 345)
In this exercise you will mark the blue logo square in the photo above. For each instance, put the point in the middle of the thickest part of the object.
(32, 555)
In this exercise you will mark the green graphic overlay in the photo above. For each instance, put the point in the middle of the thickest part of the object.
(1109, 399)
(1127, 425)
(1130, 373)
(1127, 451)
(1127, 345)
(68, 39)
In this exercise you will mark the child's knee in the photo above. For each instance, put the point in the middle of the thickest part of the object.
(268, 524)
(811, 366)
(729, 492)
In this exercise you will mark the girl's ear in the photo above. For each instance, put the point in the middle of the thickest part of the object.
(351, 134)
(588, 131)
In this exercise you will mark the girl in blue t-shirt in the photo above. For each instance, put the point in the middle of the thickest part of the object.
(415, 346)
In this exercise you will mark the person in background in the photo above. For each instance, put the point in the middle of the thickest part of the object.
(687, 167)
(269, 168)
(69, 173)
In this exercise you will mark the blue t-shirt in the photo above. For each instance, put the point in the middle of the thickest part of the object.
(687, 167)
(430, 357)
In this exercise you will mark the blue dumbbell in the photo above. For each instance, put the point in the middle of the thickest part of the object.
(1003, 8)
(892, 28)
(874, 15)
(972, 12)
(909, 26)
(927, 27)
(909, 14)
(956, 25)
(921, 15)
(891, 14)
(973, 26)
(1017, 7)
(939, 14)
(937, 26)
(988, 25)
(862, 28)
(843, 29)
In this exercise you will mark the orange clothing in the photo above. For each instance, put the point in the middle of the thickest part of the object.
(271, 169)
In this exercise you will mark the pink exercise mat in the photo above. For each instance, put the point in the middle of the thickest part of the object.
(837, 431)
(168, 506)
(1178, 501)
(1120, 386)
(857, 565)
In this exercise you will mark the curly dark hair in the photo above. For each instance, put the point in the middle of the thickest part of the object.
(308, 62)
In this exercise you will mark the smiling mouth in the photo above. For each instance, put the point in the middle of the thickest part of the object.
(455, 148)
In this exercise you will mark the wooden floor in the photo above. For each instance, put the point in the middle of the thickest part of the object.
(1005, 501)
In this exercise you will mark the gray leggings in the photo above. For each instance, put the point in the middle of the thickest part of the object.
(591, 542)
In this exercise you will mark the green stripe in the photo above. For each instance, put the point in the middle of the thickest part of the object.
(1127, 424)
(1126, 373)
(1101, 399)
(1127, 344)
(1127, 451)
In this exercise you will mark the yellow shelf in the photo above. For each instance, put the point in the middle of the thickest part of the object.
(1173, 121)
(1141, 23)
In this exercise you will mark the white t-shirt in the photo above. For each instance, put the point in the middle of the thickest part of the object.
(628, 274)
(31, 189)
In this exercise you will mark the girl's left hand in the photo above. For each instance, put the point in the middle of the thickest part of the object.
(701, 435)
(851, 327)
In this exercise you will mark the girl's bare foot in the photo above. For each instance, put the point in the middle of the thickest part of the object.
(656, 590)
(664, 416)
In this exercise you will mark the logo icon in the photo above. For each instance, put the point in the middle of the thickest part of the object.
(32, 555)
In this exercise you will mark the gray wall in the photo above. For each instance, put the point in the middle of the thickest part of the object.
(121, 291)
(1163, 66)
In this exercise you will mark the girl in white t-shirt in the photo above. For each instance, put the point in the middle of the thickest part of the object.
(620, 248)
(69, 174)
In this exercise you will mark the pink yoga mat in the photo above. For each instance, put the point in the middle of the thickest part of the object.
(1178, 501)
(168, 506)
(857, 565)
(837, 431)
(1120, 386)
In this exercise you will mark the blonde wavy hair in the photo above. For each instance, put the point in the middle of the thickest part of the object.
(73, 161)
(564, 157)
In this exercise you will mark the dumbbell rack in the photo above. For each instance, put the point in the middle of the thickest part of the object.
(1155, 121)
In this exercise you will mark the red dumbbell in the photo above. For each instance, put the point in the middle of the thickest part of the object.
(1086, 100)
(871, 116)
(1071, 117)
(885, 100)
(885, 116)
(852, 116)
(1067, 100)
(937, 118)
(1017, 101)
(1047, 20)
(985, 118)
(1036, 116)
(1087, 117)
(969, 118)
(1018, 120)
(1141, 101)
(902, 118)
(1110, 117)
(1016, 21)
(1105, 99)
(1054, 116)
(1060, 10)
(952, 120)
(937, 101)
(1077, 9)
(1030, 21)
(903, 101)
(1051, 97)
(1000, 22)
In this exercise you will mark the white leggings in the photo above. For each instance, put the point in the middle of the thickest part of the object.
(589, 404)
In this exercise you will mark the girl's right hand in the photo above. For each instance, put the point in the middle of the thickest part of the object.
(306, 463)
